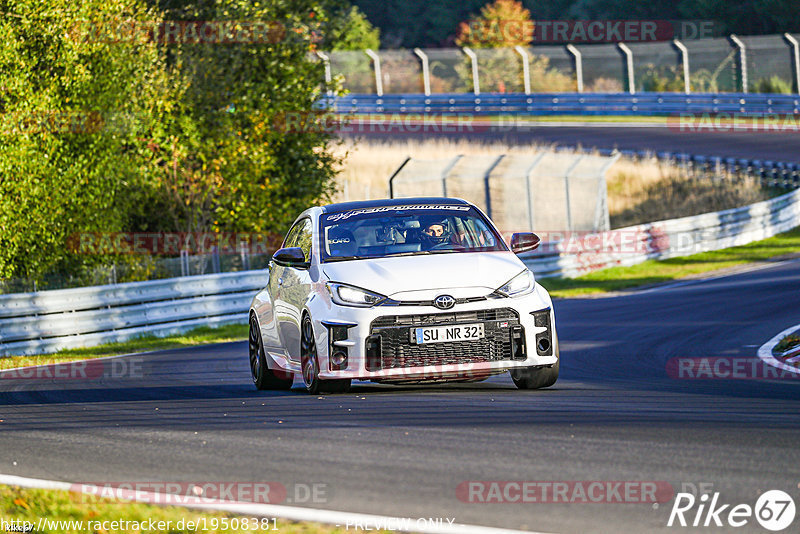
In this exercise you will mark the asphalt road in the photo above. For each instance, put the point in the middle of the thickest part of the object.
(615, 415)
(764, 145)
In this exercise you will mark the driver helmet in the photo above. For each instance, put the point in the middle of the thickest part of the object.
(434, 231)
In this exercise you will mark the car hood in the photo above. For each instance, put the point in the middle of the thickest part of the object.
(462, 275)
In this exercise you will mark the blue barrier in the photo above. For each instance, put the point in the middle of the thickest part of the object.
(570, 103)
(770, 173)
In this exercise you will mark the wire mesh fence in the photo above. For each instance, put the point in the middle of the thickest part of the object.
(553, 191)
(766, 64)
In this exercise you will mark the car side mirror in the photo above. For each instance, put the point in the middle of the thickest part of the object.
(523, 242)
(290, 257)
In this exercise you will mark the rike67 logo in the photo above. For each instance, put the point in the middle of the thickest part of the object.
(774, 510)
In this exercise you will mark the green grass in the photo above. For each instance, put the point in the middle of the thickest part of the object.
(25, 504)
(660, 271)
(788, 342)
(198, 336)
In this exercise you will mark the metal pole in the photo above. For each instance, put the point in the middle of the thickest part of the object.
(578, 65)
(742, 60)
(476, 84)
(629, 61)
(326, 60)
(526, 69)
(528, 189)
(687, 88)
(603, 195)
(426, 71)
(566, 188)
(796, 60)
(446, 172)
(486, 187)
(376, 64)
(391, 178)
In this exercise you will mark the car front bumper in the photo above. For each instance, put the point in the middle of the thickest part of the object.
(462, 360)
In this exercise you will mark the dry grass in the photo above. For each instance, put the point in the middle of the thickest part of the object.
(638, 191)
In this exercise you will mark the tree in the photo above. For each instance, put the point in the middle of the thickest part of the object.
(503, 23)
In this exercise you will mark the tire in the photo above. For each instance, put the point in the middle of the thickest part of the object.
(537, 377)
(263, 377)
(309, 364)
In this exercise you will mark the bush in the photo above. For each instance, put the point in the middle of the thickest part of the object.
(773, 84)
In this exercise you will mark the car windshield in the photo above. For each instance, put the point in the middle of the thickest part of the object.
(406, 230)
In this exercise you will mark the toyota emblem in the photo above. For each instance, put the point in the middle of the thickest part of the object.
(444, 302)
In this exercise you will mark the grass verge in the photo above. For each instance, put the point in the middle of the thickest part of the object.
(30, 505)
(659, 271)
(198, 336)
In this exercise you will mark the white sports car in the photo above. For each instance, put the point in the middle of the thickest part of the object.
(400, 291)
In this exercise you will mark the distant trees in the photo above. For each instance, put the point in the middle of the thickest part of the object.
(410, 23)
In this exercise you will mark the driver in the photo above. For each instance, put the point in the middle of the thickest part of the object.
(435, 233)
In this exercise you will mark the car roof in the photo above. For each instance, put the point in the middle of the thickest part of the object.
(361, 204)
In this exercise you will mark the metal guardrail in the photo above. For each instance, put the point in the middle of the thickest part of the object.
(578, 254)
(568, 103)
(48, 321)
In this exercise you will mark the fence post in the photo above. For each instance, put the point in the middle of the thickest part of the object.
(795, 60)
(376, 65)
(578, 65)
(391, 178)
(426, 71)
(687, 87)
(326, 60)
(629, 62)
(528, 189)
(446, 172)
(476, 84)
(601, 208)
(526, 70)
(566, 188)
(742, 60)
(487, 190)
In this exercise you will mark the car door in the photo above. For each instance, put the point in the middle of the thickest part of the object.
(293, 289)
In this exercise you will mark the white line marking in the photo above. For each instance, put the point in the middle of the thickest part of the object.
(765, 351)
(292, 513)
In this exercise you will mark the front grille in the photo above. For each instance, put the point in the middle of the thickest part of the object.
(390, 343)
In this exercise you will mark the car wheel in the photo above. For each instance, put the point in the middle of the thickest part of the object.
(309, 362)
(537, 377)
(263, 377)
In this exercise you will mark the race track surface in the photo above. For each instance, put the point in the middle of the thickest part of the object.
(615, 415)
(763, 145)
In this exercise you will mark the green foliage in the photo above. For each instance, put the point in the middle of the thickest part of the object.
(774, 84)
(103, 132)
(349, 29)
(660, 80)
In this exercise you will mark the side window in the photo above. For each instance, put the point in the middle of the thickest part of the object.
(304, 237)
(300, 236)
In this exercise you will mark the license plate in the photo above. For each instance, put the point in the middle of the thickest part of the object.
(445, 334)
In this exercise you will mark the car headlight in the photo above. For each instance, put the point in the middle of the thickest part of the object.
(345, 295)
(521, 284)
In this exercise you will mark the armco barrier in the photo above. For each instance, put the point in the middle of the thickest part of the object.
(576, 255)
(568, 103)
(47, 321)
